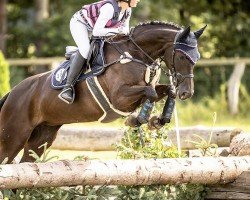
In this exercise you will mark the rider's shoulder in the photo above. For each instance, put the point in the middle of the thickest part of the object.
(108, 6)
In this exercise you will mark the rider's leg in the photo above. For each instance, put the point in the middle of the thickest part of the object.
(67, 94)
(80, 34)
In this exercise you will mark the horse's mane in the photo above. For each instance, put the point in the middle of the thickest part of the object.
(170, 25)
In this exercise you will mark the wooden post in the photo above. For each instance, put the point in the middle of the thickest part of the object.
(234, 86)
(239, 189)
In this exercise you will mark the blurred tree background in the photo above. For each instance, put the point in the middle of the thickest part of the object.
(40, 28)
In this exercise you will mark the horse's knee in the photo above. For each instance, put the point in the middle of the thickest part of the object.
(151, 94)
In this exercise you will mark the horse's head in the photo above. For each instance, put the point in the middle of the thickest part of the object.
(185, 55)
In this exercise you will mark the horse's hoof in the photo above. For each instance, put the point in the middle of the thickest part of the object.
(132, 121)
(154, 123)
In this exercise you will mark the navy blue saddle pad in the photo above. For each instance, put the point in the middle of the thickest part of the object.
(59, 75)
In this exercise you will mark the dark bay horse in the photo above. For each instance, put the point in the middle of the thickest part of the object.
(31, 113)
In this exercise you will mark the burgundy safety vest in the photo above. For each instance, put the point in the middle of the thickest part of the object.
(93, 12)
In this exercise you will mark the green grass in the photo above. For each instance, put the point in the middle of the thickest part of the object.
(200, 113)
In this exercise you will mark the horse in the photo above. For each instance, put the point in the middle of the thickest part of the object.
(31, 113)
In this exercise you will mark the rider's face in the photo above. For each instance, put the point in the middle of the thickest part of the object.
(134, 3)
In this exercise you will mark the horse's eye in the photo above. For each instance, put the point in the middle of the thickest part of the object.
(182, 57)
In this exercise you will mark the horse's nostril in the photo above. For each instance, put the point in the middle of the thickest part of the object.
(185, 95)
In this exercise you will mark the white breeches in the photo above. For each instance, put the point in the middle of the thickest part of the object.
(80, 34)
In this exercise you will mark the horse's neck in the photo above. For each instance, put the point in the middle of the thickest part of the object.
(155, 41)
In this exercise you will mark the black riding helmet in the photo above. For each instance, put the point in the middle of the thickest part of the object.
(127, 1)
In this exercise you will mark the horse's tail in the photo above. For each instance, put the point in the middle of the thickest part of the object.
(3, 100)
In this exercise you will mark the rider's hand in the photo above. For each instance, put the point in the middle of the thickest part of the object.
(120, 30)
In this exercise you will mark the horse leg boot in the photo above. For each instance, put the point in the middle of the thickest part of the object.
(67, 94)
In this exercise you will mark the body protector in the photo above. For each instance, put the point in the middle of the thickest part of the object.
(93, 11)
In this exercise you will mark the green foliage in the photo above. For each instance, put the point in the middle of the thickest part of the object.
(45, 156)
(142, 143)
(4, 76)
(206, 147)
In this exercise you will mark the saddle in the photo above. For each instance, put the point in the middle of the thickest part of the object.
(95, 64)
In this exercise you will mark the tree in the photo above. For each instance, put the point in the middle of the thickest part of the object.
(41, 14)
(3, 25)
(4, 76)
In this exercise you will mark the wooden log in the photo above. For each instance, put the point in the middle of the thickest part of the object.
(239, 189)
(240, 145)
(100, 139)
(123, 172)
(87, 139)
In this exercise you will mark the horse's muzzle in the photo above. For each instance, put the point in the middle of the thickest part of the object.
(185, 94)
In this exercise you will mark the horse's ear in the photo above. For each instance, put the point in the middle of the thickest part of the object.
(199, 32)
(184, 34)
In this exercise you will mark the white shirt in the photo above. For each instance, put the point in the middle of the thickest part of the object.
(107, 13)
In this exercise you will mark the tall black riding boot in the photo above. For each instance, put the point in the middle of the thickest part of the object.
(67, 94)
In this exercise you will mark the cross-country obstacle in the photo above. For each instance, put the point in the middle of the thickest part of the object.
(207, 171)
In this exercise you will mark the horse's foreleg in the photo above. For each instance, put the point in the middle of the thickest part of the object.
(145, 92)
(162, 91)
(41, 134)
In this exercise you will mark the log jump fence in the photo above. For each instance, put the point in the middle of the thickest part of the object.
(233, 173)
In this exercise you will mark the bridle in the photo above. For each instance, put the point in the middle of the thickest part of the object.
(177, 77)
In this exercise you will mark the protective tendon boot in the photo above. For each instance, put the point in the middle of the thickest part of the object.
(67, 95)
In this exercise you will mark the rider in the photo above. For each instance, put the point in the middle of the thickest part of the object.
(104, 18)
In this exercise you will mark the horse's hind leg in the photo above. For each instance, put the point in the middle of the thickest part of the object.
(40, 135)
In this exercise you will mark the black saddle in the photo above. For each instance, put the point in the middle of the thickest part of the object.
(95, 64)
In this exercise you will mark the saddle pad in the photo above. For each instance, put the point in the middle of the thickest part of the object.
(59, 75)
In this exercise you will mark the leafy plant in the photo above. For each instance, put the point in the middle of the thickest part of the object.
(44, 157)
(206, 147)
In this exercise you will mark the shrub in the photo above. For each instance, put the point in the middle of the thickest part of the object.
(4, 76)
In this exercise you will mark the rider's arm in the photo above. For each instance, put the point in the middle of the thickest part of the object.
(106, 13)
(126, 28)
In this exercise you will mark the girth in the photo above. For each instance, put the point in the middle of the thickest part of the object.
(110, 113)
